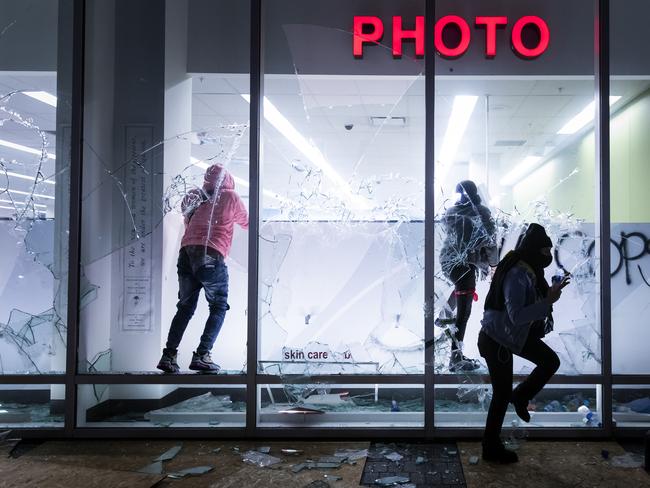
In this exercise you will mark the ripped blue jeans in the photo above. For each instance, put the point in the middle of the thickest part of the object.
(198, 269)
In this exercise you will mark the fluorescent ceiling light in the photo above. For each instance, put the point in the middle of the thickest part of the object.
(387, 121)
(42, 96)
(461, 111)
(25, 177)
(38, 195)
(284, 127)
(20, 147)
(520, 170)
(240, 181)
(584, 117)
(23, 204)
(8, 208)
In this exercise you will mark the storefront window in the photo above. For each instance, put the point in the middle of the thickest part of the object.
(161, 406)
(520, 131)
(35, 107)
(165, 168)
(342, 232)
(339, 297)
(630, 212)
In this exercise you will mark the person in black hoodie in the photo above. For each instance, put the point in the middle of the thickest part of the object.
(518, 314)
(469, 249)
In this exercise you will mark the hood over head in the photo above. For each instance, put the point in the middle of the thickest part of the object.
(468, 192)
(217, 175)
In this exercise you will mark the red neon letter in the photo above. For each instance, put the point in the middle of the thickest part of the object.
(491, 24)
(464, 36)
(360, 38)
(544, 36)
(400, 34)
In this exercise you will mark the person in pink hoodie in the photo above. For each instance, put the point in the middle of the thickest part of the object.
(210, 216)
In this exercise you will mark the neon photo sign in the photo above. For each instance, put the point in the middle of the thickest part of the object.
(370, 30)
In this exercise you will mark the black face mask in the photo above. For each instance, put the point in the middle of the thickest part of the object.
(546, 261)
(535, 258)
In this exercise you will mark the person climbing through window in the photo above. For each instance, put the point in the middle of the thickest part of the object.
(210, 214)
(518, 314)
(469, 248)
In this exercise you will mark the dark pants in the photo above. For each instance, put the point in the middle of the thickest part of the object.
(464, 279)
(198, 269)
(499, 362)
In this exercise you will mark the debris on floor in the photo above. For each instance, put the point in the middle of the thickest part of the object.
(627, 460)
(260, 459)
(169, 454)
(392, 480)
(154, 468)
(195, 471)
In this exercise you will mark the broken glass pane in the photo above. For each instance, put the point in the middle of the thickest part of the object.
(35, 115)
(182, 406)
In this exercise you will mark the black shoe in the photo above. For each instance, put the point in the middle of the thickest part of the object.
(168, 362)
(521, 407)
(203, 363)
(496, 453)
(459, 363)
(442, 322)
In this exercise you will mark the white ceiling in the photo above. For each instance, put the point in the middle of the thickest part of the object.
(43, 116)
(320, 106)
(530, 110)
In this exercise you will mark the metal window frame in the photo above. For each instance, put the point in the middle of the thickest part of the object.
(252, 379)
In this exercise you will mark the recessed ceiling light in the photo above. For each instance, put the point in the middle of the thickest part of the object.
(23, 204)
(42, 96)
(584, 117)
(20, 147)
(37, 195)
(26, 177)
(461, 111)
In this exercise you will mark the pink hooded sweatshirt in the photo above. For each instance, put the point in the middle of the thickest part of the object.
(212, 222)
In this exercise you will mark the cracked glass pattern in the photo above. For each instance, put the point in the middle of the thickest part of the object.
(31, 406)
(148, 161)
(35, 103)
(341, 241)
(342, 232)
(300, 403)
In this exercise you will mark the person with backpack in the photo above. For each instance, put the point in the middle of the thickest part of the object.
(210, 214)
(469, 249)
(518, 314)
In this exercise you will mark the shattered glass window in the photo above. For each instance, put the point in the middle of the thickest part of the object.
(465, 405)
(526, 167)
(35, 103)
(31, 406)
(165, 168)
(299, 402)
(113, 406)
(342, 234)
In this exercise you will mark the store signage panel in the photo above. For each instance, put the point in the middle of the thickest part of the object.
(370, 30)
